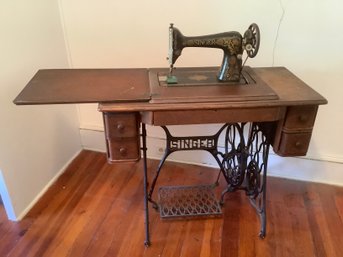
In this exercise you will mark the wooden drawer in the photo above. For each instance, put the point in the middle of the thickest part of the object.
(294, 144)
(120, 124)
(123, 149)
(300, 117)
(122, 136)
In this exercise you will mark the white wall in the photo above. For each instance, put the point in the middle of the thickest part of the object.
(304, 36)
(36, 142)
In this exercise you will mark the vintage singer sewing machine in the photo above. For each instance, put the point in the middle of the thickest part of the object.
(232, 43)
(260, 108)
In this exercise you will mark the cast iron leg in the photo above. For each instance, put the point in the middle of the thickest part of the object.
(245, 165)
(154, 204)
(257, 173)
(145, 181)
(264, 203)
(263, 214)
(259, 201)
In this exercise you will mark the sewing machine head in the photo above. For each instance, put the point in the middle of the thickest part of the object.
(232, 43)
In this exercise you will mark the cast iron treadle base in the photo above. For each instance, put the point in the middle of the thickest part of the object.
(188, 201)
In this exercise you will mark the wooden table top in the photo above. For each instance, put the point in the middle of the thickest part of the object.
(61, 86)
(134, 90)
(288, 88)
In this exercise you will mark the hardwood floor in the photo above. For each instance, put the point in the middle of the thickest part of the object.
(96, 209)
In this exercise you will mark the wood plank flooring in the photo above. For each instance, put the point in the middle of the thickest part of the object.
(96, 209)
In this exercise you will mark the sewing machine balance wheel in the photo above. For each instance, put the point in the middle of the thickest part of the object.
(251, 40)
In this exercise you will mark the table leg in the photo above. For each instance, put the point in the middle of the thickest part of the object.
(257, 195)
(245, 164)
(145, 183)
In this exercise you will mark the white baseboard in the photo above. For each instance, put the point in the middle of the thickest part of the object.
(47, 186)
(322, 171)
(93, 140)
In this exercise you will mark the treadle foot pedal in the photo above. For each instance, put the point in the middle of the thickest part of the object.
(188, 201)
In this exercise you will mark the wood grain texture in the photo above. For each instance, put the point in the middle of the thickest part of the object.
(291, 91)
(61, 86)
(96, 209)
(265, 114)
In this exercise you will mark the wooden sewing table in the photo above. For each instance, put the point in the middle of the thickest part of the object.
(269, 107)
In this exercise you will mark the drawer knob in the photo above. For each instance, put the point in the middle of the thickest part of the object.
(297, 144)
(123, 151)
(120, 127)
(302, 118)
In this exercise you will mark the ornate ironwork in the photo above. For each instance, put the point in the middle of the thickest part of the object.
(173, 144)
(243, 165)
(233, 164)
(188, 201)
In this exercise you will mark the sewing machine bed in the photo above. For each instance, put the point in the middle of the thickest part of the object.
(201, 85)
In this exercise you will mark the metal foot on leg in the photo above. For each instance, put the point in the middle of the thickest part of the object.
(260, 207)
(262, 233)
(147, 243)
(229, 189)
(154, 205)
